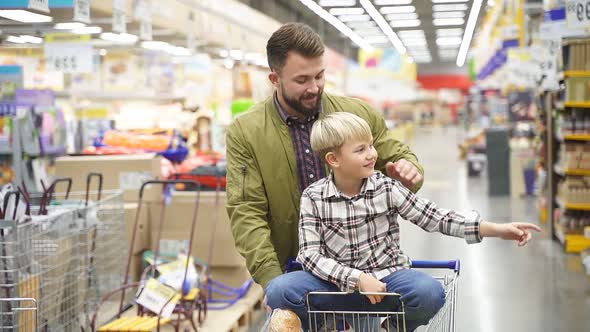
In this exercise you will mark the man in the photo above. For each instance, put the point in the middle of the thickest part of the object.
(269, 157)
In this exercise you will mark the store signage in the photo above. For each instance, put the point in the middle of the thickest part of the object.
(119, 16)
(145, 30)
(40, 5)
(191, 38)
(578, 13)
(82, 11)
(68, 53)
(142, 10)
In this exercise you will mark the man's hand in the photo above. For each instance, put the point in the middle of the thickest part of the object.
(404, 171)
(516, 231)
(369, 284)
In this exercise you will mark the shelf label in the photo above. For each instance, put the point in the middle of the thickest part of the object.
(578, 13)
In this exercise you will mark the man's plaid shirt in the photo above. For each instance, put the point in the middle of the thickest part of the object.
(341, 237)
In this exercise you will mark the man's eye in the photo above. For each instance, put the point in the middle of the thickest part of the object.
(300, 81)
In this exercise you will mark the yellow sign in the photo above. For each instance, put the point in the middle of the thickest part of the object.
(64, 37)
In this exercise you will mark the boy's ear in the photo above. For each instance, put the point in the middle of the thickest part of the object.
(332, 160)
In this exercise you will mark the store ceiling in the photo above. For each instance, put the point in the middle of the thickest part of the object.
(418, 23)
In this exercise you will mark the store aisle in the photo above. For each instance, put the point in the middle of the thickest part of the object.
(502, 287)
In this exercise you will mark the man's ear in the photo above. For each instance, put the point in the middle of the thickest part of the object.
(273, 76)
(332, 159)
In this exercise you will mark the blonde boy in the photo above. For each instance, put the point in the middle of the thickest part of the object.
(349, 232)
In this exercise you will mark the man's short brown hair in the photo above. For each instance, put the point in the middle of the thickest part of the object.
(296, 37)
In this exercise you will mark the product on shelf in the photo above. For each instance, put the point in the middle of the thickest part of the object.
(574, 156)
(574, 222)
(578, 89)
(576, 53)
(574, 190)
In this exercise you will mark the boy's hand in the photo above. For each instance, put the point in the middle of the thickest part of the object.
(516, 231)
(403, 171)
(368, 284)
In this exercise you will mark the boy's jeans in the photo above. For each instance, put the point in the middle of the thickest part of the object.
(422, 295)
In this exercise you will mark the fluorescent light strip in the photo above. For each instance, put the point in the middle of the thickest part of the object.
(449, 32)
(382, 23)
(88, 30)
(358, 40)
(15, 39)
(369, 32)
(458, 14)
(124, 38)
(448, 21)
(411, 33)
(473, 15)
(392, 2)
(360, 25)
(402, 16)
(449, 8)
(347, 11)
(25, 16)
(448, 1)
(337, 3)
(69, 25)
(377, 39)
(354, 18)
(448, 41)
(397, 9)
(415, 42)
(405, 23)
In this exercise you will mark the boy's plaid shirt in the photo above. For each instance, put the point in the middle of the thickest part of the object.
(342, 237)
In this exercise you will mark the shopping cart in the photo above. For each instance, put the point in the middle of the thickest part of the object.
(376, 321)
(18, 314)
(62, 249)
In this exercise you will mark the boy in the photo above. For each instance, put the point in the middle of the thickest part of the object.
(348, 230)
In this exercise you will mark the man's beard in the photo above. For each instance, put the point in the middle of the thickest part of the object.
(297, 104)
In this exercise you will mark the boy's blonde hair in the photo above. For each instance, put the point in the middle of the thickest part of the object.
(330, 133)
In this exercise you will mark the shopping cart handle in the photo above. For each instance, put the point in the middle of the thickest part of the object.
(167, 182)
(454, 265)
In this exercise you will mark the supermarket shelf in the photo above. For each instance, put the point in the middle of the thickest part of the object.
(574, 206)
(576, 137)
(577, 104)
(577, 73)
(581, 172)
(118, 95)
(573, 243)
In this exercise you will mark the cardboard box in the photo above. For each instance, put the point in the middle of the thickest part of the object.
(142, 236)
(124, 172)
(177, 223)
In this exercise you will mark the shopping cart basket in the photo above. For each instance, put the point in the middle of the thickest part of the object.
(18, 314)
(371, 321)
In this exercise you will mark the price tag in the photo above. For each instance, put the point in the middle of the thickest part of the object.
(82, 11)
(69, 57)
(578, 13)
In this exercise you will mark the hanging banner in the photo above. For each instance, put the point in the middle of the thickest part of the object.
(38, 5)
(577, 13)
(145, 30)
(82, 11)
(142, 12)
(119, 16)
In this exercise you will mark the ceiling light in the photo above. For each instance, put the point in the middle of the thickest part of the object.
(346, 11)
(382, 23)
(337, 3)
(405, 24)
(321, 12)
(377, 39)
(31, 39)
(411, 33)
(415, 42)
(449, 32)
(402, 16)
(473, 15)
(448, 41)
(25, 16)
(392, 2)
(448, 21)
(369, 31)
(102, 52)
(15, 39)
(228, 63)
(155, 45)
(448, 1)
(223, 53)
(448, 47)
(124, 38)
(358, 25)
(354, 18)
(448, 8)
(69, 26)
(236, 54)
(397, 9)
(459, 14)
(87, 30)
(179, 51)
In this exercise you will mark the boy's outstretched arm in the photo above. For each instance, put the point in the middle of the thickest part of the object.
(515, 231)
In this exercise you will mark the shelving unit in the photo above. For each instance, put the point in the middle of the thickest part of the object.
(572, 243)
